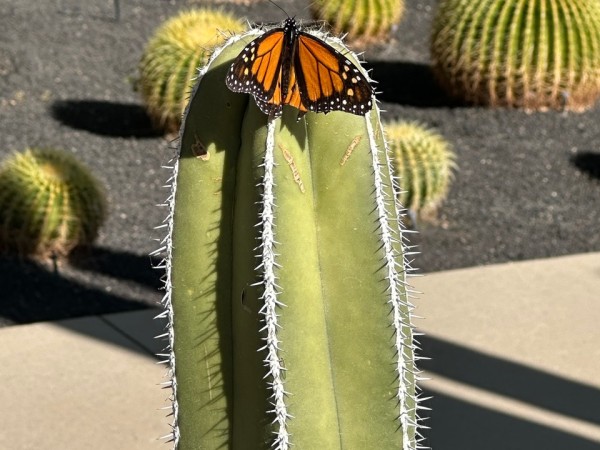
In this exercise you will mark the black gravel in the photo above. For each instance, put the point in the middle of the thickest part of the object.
(528, 185)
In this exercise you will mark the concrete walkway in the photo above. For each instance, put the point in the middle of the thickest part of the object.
(515, 364)
(515, 354)
(83, 384)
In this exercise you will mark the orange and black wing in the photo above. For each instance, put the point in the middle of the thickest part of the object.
(285, 66)
(292, 97)
(257, 70)
(327, 80)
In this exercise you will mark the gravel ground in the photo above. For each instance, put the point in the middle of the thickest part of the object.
(527, 187)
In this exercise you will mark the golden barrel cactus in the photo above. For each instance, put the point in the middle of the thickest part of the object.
(423, 162)
(364, 21)
(531, 54)
(172, 57)
(49, 204)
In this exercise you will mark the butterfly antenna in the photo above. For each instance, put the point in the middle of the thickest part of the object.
(284, 11)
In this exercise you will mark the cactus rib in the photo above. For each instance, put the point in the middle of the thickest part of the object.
(210, 431)
(397, 281)
(269, 296)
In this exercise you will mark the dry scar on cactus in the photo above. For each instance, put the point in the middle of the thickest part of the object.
(171, 59)
(536, 54)
(49, 204)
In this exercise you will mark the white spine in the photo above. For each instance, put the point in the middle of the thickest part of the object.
(270, 302)
(394, 265)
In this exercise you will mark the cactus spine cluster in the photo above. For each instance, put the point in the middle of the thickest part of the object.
(49, 204)
(423, 162)
(172, 57)
(535, 54)
(290, 320)
(364, 21)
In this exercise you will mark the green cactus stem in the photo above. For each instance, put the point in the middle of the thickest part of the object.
(49, 204)
(423, 162)
(536, 54)
(290, 319)
(364, 21)
(172, 57)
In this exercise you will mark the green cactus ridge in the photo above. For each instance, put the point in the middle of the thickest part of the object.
(536, 55)
(170, 62)
(364, 21)
(423, 162)
(311, 287)
(49, 203)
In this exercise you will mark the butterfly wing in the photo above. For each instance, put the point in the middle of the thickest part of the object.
(293, 98)
(257, 70)
(286, 66)
(327, 80)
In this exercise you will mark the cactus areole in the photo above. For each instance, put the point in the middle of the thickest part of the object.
(288, 309)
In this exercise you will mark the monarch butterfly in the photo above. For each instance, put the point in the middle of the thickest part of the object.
(286, 66)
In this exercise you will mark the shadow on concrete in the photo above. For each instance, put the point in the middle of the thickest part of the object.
(454, 423)
(33, 292)
(39, 292)
(134, 331)
(458, 424)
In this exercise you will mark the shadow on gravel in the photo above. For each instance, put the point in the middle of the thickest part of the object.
(588, 162)
(121, 265)
(104, 118)
(408, 83)
(33, 293)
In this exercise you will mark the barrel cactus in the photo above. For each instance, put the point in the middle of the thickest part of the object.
(49, 204)
(423, 162)
(172, 57)
(535, 54)
(288, 310)
(364, 21)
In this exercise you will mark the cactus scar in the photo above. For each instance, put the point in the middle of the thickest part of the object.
(290, 160)
(199, 149)
(350, 149)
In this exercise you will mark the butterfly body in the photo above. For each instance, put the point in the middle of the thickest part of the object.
(287, 66)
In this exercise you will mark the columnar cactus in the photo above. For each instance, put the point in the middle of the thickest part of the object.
(534, 54)
(290, 322)
(365, 21)
(423, 162)
(172, 57)
(49, 204)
